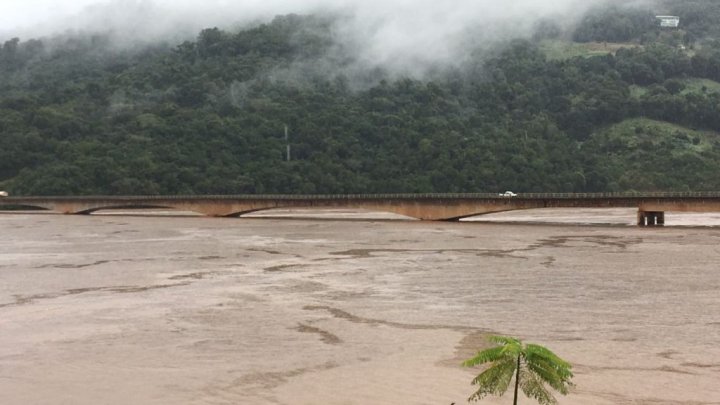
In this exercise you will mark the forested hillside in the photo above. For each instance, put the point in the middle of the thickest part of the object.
(641, 112)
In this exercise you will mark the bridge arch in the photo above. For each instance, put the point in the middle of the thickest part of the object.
(92, 210)
(378, 207)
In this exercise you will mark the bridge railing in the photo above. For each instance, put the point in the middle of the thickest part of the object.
(402, 196)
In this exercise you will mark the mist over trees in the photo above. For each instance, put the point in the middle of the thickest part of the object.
(81, 116)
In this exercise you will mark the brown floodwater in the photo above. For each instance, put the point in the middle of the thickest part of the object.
(352, 308)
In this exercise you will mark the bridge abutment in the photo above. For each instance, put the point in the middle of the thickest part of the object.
(651, 218)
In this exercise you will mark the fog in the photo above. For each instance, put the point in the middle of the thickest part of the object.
(400, 34)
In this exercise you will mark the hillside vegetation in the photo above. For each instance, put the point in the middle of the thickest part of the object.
(639, 153)
(208, 116)
(563, 49)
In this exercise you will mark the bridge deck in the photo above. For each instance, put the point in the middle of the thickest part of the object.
(421, 206)
(400, 196)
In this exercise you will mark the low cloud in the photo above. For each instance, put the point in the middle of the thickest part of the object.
(402, 35)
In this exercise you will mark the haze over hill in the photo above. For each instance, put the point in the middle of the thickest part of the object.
(397, 33)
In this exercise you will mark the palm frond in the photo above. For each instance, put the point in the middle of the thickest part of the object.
(481, 393)
(547, 373)
(543, 352)
(549, 367)
(533, 387)
(505, 341)
(511, 347)
(486, 356)
(495, 380)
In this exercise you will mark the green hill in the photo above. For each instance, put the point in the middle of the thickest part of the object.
(78, 116)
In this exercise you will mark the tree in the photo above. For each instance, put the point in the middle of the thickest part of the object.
(532, 365)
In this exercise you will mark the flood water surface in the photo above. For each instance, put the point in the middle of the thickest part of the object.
(115, 309)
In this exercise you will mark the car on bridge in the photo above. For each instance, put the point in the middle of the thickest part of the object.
(508, 194)
(4, 194)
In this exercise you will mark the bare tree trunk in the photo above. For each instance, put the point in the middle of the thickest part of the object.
(517, 380)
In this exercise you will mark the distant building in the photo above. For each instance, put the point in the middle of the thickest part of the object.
(669, 21)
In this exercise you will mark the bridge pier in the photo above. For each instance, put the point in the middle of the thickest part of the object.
(651, 218)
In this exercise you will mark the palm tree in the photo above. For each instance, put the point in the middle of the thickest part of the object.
(532, 365)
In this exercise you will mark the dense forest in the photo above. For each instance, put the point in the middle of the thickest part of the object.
(613, 103)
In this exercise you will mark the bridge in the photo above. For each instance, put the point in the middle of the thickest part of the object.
(430, 207)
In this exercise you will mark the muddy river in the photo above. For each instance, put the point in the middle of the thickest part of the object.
(352, 308)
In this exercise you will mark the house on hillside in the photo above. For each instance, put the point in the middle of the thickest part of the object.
(668, 21)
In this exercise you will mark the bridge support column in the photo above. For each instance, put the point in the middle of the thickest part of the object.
(651, 218)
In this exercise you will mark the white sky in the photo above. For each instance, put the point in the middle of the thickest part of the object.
(23, 13)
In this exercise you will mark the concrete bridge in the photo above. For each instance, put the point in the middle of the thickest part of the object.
(431, 207)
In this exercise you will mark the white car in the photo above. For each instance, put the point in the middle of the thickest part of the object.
(4, 194)
(508, 194)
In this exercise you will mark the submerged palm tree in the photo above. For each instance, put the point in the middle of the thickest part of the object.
(533, 366)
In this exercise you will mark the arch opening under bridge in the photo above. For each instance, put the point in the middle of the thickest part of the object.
(22, 207)
(326, 213)
(123, 207)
